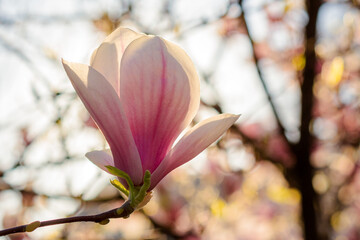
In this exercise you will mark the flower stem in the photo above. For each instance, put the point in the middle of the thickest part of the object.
(103, 218)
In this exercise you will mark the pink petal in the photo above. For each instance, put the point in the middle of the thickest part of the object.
(105, 108)
(160, 93)
(192, 143)
(107, 57)
(101, 158)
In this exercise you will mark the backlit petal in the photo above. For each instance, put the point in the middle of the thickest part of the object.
(105, 108)
(192, 143)
(101, 158)
(160, 94)
(107, 57)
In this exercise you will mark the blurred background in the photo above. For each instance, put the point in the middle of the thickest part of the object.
(289, 168)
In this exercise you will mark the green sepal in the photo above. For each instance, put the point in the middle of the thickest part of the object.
(136, 194)
(116, 183)
(143, 190)
(122, 174)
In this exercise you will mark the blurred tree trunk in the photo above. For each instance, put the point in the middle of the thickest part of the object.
(303, 167)
(301, 175)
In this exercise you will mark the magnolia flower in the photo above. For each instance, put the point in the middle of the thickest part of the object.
(143, 91)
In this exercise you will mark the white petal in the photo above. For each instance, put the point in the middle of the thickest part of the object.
(192, 143)
(101, 158)
(160, 92)
(105, 108)
(107, 57)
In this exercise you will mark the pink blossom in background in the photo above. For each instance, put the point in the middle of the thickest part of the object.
(143, 91)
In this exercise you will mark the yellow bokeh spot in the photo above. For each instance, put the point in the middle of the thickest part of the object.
(283, 195)
(342, 220)
(217, 207)
(335, 220)
(335, 73)
(299, 62)
(320, 183)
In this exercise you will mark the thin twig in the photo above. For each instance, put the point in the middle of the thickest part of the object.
(103, 218)
(262, 80)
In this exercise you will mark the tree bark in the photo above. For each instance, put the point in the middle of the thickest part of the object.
(303, 167)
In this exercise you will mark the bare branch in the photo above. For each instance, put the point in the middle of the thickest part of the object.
(263, 83)
(103, 218)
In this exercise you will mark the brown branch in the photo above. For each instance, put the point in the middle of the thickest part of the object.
(303, 168)
(103, 218)
(262, 79)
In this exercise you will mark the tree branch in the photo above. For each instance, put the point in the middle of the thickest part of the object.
(103, 218)
(261, 78)
(303, 168)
